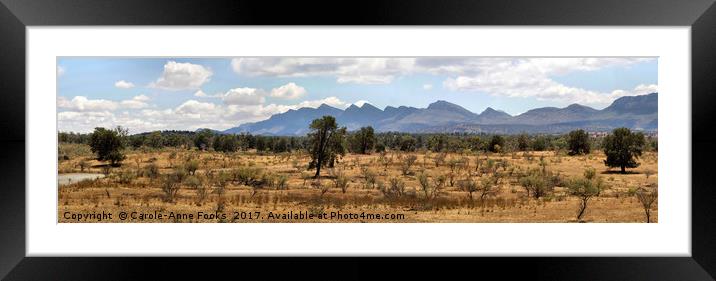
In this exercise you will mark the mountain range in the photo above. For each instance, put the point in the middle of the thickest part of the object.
(635, 112)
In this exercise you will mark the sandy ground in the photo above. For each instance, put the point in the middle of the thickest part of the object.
(142, 199)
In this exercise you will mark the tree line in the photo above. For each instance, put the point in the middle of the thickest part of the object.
(326, 142)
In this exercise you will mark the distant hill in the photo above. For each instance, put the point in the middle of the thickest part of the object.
(635, 112)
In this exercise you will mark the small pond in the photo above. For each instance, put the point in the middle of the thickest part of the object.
(64, 179)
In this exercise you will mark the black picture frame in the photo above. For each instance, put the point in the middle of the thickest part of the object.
(16, 15)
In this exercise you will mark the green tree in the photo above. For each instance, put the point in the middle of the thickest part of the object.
(407, 143)
(203, 139)
(578, 142)
(539, 144)
(437, 143)
(622, 148)
(496, 143)
(584, 189)
(155, 140)
(327, 141)
(108, 144)
(363, 140)
(226, 143)
(523, 142)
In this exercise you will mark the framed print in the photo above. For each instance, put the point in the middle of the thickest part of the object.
(147, 136)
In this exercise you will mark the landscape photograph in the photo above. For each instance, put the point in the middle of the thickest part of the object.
(357, 140)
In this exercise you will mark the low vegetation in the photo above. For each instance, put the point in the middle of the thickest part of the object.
(426, 177)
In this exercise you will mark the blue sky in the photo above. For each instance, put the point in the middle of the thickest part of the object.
(146, 94)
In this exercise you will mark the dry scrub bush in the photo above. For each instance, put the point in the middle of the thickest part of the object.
(83, 165)
(126, 177)
(246, 176)
(536, 185)
(369, 176)
(320, 186)
(439, 159)
(340, 180)
(396, 189)
(281, 182)
(191, 166)
(384, 160)
(584, 189)
(170, 186)
(192, 182)
(106, 170)
(151, 171)
(488, 186)
(467, 185)
(407, 163)
(647, 198)
(426, 186)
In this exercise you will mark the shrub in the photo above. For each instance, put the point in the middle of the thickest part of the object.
(340, 180)
(83, 165)
(439, 159)
(647, 198)
(396, 189)
(408, 163)
(126, 177)
(536, 185)
(488, 186)
(191, 166)
(467, 185)
(192, 182)
(282, 182)
(246, 175)
(369, 176)
(151, 171)
(170, 187)
(584, 189)
(590, 173)
(425, 185)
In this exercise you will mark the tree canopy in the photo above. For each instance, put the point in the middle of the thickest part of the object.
(578, 142)
(327, 143)
(108, 144)
(363, 140)
(622, 148)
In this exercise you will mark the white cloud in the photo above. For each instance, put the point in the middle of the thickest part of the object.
(136, 102)
(427, 87)
(190, 115)
(195, 107)
(200, 94)
(332, 101)
(496, 76)
(244, 96)
(182, 76)
(641, 89)
(60, 71)
(288, 91)
(532, 78)
(124, 84)
(81, 103)
(360, 103)
(346, 70)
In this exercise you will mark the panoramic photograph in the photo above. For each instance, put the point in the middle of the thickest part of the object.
(357, 140)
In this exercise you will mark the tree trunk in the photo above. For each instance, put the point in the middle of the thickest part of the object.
(648, 215)
(623, 169)
(582, 207)
(318, 169)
